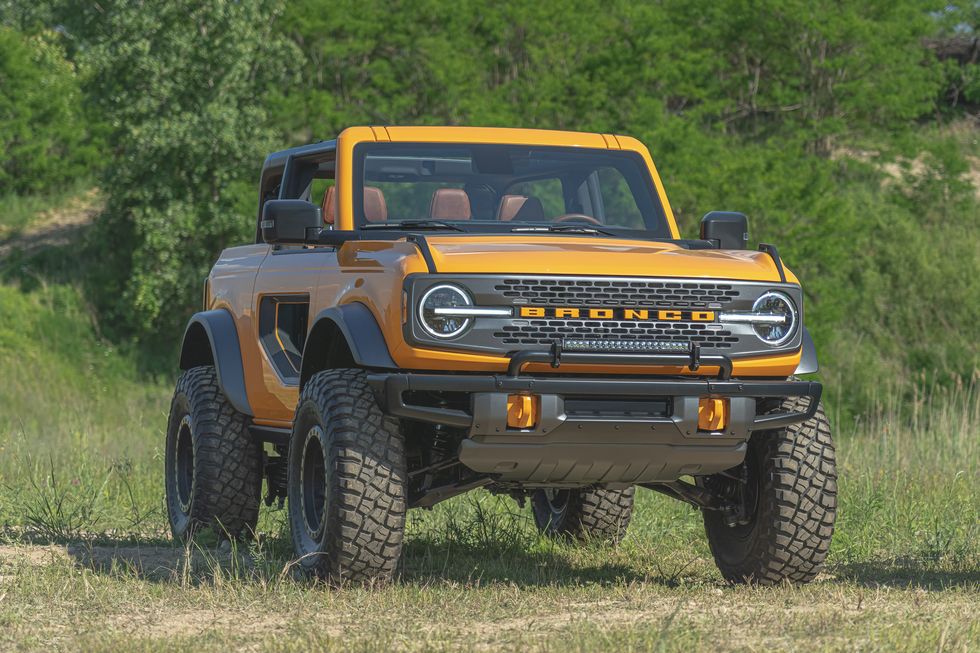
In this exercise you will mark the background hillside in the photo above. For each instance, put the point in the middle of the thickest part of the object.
(847, 131)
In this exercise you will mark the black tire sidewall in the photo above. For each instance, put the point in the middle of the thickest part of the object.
(312, 552)
(182, 524)
(733, 546)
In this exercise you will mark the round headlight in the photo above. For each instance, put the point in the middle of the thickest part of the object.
(444, 296)
(776, 304)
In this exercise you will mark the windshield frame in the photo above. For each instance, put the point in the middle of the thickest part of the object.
(660, 229)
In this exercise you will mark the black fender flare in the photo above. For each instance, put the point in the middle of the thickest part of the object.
(808, 356)
(359, 328)
(212, 339)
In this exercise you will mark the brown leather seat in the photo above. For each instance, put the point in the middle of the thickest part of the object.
(521, 208)
(329, 206)
(450, 204)
(375, 207)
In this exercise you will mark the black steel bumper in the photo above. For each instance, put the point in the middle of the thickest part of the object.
(610, 443)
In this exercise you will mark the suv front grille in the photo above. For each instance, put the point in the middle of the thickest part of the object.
(636, 311)
(613, 292)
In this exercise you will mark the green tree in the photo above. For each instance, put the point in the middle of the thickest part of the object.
(182, 85)
(44, 136)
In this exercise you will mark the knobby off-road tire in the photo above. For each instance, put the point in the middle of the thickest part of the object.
(213, 466)
(347, 477)
(792, 492)
(594, 514)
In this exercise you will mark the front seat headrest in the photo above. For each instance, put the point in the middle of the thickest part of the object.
(509, 206)
(450, 204)
(520, 208)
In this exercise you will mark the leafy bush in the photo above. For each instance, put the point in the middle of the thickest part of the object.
(44, 136)
(182, 84)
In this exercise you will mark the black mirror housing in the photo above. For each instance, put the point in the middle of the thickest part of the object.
(729, 229)
(291, 221)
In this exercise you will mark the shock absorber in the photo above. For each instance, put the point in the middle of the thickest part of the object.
(441, 443)
(276, 475)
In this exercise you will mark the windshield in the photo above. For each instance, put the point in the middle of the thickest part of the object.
(502, 188)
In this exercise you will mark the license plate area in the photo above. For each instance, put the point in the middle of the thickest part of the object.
(618, 407)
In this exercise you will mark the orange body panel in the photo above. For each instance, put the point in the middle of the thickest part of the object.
(373, 272)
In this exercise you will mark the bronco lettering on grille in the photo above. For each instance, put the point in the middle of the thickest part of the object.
(638, 314)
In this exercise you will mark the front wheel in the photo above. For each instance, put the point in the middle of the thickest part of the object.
(788, 496)
(347, 476)
(593, 514)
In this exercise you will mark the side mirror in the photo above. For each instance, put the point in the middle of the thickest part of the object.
(730, 230)
(291, 221)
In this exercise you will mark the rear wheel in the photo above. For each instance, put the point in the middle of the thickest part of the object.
(789, 500)
(595, 514)
(346, 481)
(213, 466)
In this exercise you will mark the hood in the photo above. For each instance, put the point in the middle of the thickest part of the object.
(584, 255)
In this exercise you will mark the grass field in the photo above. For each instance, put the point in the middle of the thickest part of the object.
(86, 562)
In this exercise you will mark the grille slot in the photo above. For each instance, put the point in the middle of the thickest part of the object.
(611, 292)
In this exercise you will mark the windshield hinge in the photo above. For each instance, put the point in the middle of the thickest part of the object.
(423, 245)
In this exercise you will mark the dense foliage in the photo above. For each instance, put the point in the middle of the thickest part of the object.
(828, 122)
(44, 139)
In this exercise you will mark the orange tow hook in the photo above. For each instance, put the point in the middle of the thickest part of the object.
(522, 411)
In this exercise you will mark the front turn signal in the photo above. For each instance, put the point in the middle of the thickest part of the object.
(522, 411)
(712, 414)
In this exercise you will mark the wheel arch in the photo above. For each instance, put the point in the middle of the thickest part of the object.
(344, 336)
(212, 339)
(808, 356)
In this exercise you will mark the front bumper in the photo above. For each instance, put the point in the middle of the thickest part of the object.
(611, 441)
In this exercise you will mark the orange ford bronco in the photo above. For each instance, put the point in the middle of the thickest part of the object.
(429, 310)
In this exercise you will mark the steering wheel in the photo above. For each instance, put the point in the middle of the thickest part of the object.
(576, 217)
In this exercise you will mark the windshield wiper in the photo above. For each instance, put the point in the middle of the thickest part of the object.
(565, 228)
(413, 224)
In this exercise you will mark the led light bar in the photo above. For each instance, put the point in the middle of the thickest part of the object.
(616, 346)
(753, 318)
(473, 311)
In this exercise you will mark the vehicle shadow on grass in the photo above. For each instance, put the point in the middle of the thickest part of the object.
(423, 563)
(433, 561)
(906, 574)
(164, 561)
(426, 561)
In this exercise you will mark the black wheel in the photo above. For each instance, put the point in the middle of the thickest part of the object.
(789, 503)
(213, 466)
(594, 514)
(346, 481)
